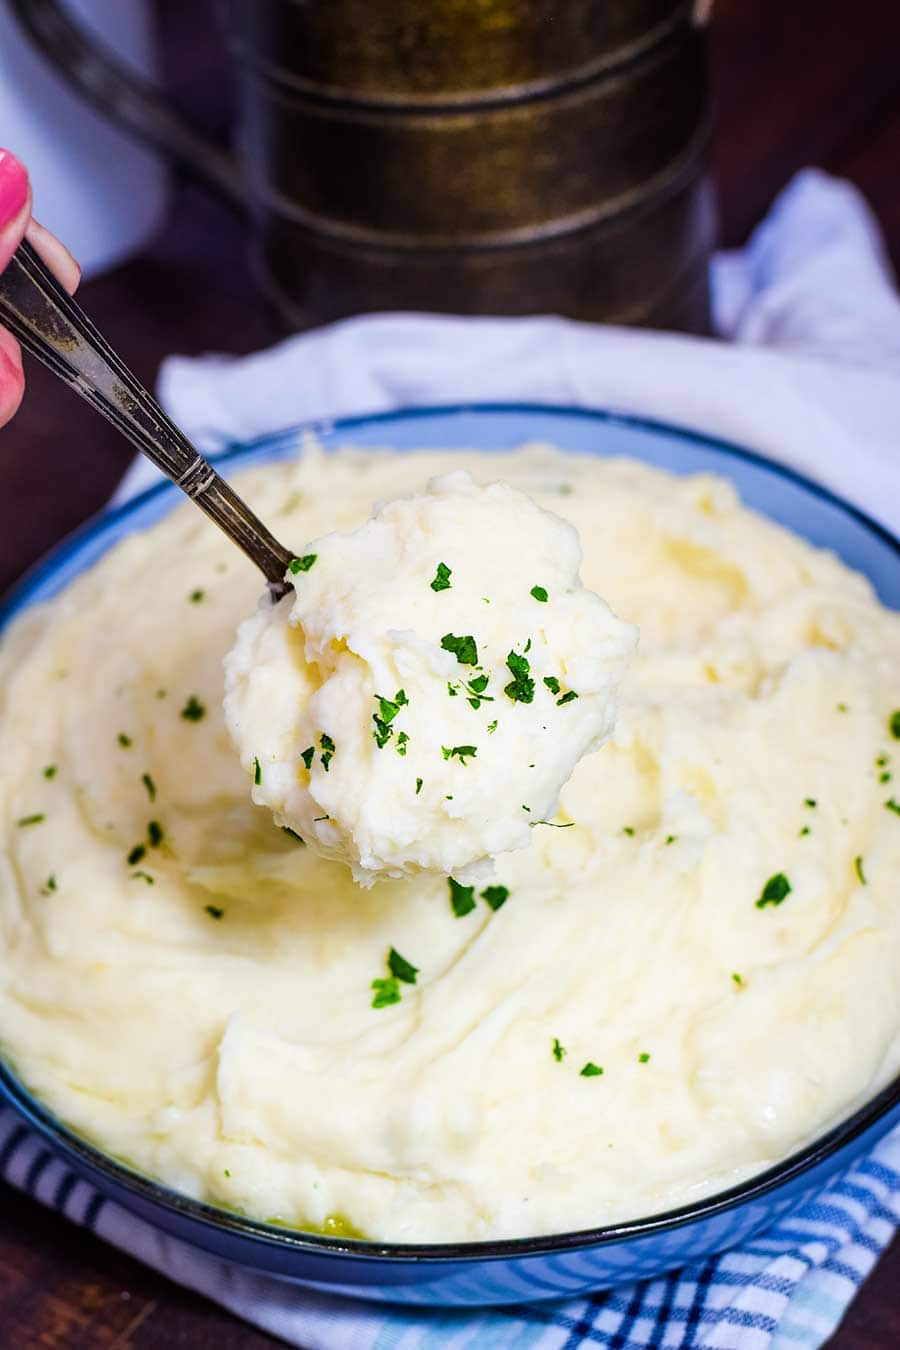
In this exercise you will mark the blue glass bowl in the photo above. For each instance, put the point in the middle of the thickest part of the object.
(479, 1273)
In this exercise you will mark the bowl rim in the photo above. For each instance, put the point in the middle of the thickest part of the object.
(84, 1156)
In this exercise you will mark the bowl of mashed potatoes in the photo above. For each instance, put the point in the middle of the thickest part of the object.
(668, 1013)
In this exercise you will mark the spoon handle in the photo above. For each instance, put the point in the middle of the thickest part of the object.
(54, 328)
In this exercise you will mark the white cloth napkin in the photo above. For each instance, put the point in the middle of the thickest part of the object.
(810, 376)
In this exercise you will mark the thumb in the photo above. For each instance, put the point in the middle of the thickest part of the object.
(15, 205)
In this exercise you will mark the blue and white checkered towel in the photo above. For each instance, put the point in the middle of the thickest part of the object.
(811, 376)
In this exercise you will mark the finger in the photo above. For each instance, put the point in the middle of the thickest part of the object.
(12, 381)
(15, 205)
(55, 255)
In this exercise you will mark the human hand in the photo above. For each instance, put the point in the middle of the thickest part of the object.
(16, 223)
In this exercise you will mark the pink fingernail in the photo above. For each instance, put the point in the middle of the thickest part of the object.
(13, 187)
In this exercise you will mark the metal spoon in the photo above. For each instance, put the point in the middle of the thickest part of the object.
(53, 327)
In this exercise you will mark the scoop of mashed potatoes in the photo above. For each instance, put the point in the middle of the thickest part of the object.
(717, 928)
(421, 698)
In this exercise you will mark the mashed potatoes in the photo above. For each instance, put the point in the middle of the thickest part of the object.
(433, 668)
(717, 928)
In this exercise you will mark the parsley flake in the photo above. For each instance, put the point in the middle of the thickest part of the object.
(566, 698)
(387, 711)
(591, 1070)
(149, 785)
(215, 912)
(465, 649)
(885, 777)
(154, 833)
(419, 782)
(302, 564)
(51, 771)
(257, 771)
(35, 819)
(402, 742)
(891, 805)
(49, 885)
(810, 802)
(452, 689)
(460, 752)
(442, 578)
(559, 1050)
(776, 889)
(894, 725)
(496, 896)
(125, 741)
(629, 830)
(475, 691)
(143, 876)
(137, 853)
(196, 597)
(738, 979)
(400, 968)
(307, 756)
(858, 868)
(539, 593)
(294, 835)
(386, 992)
(805, 831)
(492, 727)
(671, 838)
(521, 687)
(552, 683)
(327, 746)
(644, 1058)
(462, 898)
(842, 708)
(193, 710)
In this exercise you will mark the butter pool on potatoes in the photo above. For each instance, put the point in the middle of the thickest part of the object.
(206, 1011)
(418, 702)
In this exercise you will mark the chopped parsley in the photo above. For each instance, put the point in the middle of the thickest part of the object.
(442, 578)
(49, 885)
(154, 833)
(137, 853)
(465, 649)
(419, 782)
(671, 838)
(738, 979)
(559, 1050)
(143, 876)
(629, 830)
(810, 802)
(193, 710)
(644, 1058)
(882, 760)
(492, 727)
(125, 741)
(302, 564)
(400, 968)
(776, 889)
(327, 747)
(386, 992)
(552, 683)
(885, 777)
(475, 691)
(316, 819)
(496, 896)
(554, 824)
(195, 597)
(805, 831)
(891, 805)
(460, 752)
(308, 755)
(452, 689)
(149, 785)
(402, 742)
(462, 898)
(539, 593)
(842, 707)
(566, 698)
(51, 771)
(858, 868)
(591, 1070)
(521, 687)
(257, 771)
(526, 808)
(387, 711)
(294, 835)
(35, 819)
(215, 912)
(894, 725)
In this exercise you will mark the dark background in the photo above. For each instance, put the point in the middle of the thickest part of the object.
(798, 82)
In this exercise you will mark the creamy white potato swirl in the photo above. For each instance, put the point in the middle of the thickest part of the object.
(717, 927)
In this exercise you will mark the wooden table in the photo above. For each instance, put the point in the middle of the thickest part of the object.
(810, 81)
